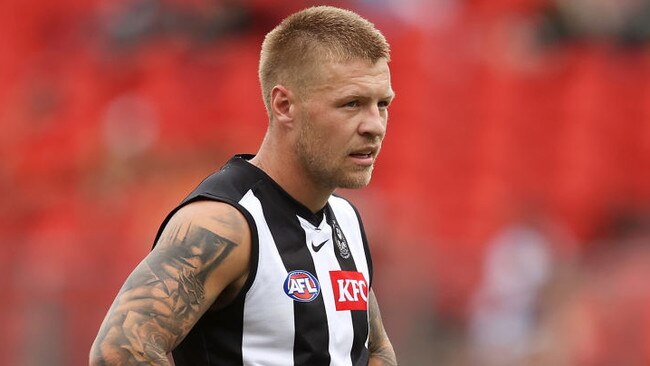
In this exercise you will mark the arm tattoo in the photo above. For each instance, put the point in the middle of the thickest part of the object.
(380, 347)
(163, 297)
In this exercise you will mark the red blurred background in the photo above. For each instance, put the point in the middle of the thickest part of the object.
(508, 213)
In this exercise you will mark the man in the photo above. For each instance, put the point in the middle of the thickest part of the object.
(261, 264)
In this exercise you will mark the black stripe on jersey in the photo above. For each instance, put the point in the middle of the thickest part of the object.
(359, 353)
(311, 343)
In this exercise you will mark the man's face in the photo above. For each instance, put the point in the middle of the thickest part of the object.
(342, 122)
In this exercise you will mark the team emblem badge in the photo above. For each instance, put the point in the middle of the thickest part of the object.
(341, 242)
(301, 286)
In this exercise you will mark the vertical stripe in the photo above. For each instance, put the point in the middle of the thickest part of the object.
(310, 320)
(268, 329)
(350, 222)
(339, 323)
(359, 353)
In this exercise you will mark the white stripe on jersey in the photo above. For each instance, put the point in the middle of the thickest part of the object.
(268, 332)
(347, 219)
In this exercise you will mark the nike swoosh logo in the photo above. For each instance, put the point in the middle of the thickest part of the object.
(317, 247)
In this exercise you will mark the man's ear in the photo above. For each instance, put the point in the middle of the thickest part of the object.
(282, 105)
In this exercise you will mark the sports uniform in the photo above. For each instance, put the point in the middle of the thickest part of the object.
(305, 299)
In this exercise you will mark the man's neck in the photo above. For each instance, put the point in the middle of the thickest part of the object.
(288, 174)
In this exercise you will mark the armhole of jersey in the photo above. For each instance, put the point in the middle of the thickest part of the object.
(252, 273)
(366, 248)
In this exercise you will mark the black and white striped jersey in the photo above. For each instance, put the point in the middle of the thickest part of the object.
(305, 300)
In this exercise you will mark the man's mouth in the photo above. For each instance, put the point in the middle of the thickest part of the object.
(361, 155)
(364, 156)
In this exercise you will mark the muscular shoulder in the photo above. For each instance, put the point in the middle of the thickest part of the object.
(209, 232)
(213, 216)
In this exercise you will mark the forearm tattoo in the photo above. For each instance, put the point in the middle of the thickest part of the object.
(380, 347)
(163, 297)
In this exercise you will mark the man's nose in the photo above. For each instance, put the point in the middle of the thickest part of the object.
(374, 122)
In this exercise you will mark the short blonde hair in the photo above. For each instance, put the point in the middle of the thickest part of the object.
(302, 41)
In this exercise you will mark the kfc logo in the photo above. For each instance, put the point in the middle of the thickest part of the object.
(350, 290)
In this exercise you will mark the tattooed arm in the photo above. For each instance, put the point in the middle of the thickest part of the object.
(381, 350)
(204, 251)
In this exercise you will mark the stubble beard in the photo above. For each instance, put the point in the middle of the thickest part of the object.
(324, 167)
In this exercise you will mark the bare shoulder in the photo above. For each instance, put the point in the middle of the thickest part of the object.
(209, 240)
(204, 227)
(213, 214)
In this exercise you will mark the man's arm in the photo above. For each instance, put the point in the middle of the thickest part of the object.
(204, 248)
(381, 350)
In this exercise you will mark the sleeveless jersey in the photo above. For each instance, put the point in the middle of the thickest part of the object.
(305, 301)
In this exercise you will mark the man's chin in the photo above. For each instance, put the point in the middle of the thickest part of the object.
(355, 182)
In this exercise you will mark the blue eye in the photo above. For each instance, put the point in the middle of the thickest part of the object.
(352, 104)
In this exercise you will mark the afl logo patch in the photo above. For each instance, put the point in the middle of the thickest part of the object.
(301, 286)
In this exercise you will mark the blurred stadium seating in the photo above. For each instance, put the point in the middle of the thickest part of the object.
(111, 111)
